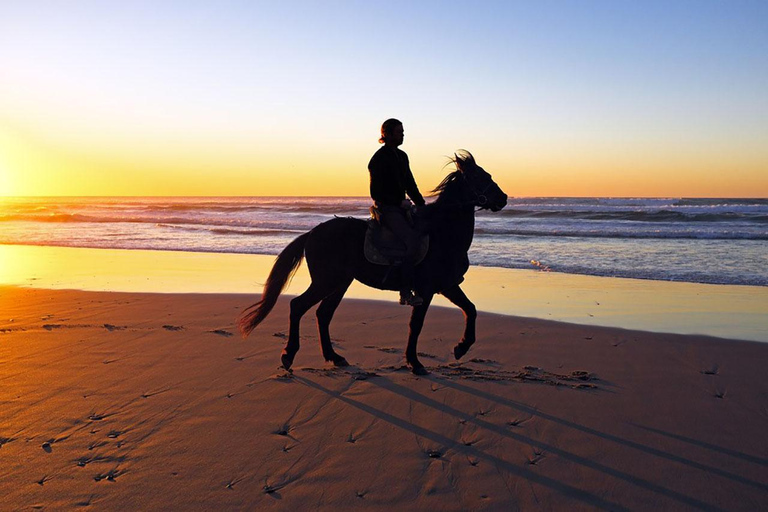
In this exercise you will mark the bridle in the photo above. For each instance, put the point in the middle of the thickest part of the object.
(480, 199)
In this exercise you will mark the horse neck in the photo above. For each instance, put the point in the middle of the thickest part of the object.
(455, 218)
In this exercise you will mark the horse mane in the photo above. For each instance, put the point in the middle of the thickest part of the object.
(461, 158)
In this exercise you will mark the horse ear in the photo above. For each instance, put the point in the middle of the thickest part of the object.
(458, 162)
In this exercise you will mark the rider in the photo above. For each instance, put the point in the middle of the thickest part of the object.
(391, 179)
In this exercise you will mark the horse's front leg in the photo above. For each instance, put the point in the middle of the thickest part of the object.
(414, 329)
(456, 295)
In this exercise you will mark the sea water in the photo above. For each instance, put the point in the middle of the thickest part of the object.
(720, 241)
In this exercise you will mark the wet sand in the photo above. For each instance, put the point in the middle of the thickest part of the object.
(737, 312)
(153, 402)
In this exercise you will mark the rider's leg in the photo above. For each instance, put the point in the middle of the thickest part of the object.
(394, 219)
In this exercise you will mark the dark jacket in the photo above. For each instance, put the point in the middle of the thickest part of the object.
(391, 178)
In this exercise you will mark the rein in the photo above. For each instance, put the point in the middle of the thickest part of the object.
(480, 200)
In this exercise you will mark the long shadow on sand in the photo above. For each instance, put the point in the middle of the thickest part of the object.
(645, 484)
(731, 453)
(565, 489)
(609, 437)
(561, 487)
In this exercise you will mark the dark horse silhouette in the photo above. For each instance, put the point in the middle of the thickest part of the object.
(334, 252)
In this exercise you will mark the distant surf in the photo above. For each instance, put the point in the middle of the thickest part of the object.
(695, 240)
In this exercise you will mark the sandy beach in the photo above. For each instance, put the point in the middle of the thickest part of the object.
(589, 178)
(135, 401)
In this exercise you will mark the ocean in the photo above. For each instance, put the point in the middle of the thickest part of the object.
(717, 241)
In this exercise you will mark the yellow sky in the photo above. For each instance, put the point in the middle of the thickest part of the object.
(115, 98)
(33, 164)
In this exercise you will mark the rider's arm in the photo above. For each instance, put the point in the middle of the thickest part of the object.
(410, 185)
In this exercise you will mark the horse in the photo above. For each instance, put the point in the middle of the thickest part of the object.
(335, 258)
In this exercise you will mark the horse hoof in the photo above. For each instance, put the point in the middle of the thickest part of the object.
(338, 361)
(459, 351)
(418, 369)
(287, 361)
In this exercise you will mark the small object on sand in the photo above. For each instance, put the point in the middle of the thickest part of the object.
(47, 448)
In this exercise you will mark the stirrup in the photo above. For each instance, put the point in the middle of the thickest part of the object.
(410, 299)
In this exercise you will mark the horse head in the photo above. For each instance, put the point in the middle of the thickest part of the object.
(479, 188)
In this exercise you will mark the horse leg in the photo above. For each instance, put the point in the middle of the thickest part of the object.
(414, 329)
(324, 315)
(299, 306)
(457, 296)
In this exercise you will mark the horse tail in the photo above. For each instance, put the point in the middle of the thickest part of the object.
(285, 266)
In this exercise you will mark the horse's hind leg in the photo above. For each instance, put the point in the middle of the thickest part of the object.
(299, 306)
(457, 296)
(324, 316)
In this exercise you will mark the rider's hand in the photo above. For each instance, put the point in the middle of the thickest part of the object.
(406, 204)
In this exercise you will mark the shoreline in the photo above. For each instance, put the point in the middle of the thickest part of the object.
(724, 311)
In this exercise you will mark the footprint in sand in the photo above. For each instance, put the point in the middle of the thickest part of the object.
(517, 422)
(273, 488)
(536, 457)
(110, 475)
(482, 361)
(86, 503)
(153, 393)
(173, 327)
(97, 444)
(231, 484)
(285, 431)
(221, 332)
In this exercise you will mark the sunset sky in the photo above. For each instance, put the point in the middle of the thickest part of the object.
(554, 98)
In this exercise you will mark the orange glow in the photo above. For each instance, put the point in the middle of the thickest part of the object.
(34, 163)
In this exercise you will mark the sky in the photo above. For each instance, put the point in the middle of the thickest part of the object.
(554, 98)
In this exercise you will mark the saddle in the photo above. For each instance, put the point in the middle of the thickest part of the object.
(382, 247)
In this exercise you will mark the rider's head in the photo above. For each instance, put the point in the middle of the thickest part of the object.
(391, 132)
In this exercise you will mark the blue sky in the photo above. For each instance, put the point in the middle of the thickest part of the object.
(572, 90)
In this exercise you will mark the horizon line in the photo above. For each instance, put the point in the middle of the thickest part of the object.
(2, 197)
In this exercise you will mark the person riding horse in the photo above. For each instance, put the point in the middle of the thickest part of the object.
(335, 255)
(391, 179)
